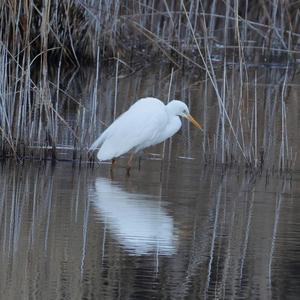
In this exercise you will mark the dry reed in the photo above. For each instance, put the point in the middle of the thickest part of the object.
(216, 39)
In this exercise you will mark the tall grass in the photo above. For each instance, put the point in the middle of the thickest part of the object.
(220, 41)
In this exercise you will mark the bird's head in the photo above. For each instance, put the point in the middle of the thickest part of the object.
(179, 108)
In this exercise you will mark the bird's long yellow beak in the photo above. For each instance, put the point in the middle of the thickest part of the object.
(194, 122)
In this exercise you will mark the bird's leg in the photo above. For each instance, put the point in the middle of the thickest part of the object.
(130, 160)
(113, 163)
(129, 164)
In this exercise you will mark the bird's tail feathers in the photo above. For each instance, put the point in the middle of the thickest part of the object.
(96, 143)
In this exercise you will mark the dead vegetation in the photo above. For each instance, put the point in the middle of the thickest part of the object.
(219, 40)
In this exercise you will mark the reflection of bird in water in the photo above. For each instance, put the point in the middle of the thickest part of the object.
(147, 122)
(137, 221)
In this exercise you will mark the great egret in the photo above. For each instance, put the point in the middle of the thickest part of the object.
(147, 122)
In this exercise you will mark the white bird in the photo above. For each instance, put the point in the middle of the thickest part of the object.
(146, 123)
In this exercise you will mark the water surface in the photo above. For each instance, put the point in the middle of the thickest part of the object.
(170, 231)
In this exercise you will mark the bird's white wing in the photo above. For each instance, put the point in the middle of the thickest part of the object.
(139, 127)
(105, 133)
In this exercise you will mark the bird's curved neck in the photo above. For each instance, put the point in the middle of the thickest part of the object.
(171, 109)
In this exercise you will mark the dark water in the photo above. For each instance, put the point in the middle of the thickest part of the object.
(170, 231)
